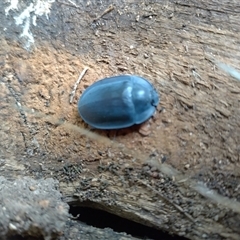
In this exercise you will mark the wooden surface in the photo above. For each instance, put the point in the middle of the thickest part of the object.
(184, 176)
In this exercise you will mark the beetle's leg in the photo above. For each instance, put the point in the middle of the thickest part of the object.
(144, 128)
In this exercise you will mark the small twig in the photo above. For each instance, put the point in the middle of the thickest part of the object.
(109, 9)
(167, 200)
(196, 75)
(76, 84)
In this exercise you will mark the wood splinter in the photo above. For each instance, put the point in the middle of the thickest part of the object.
(72, 94)
(108, 10)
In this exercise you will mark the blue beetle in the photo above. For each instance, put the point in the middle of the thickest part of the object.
(118, 102)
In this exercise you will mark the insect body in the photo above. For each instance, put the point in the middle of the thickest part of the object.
(118, 102)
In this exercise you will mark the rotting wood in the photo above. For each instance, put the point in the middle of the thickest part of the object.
(169, 200)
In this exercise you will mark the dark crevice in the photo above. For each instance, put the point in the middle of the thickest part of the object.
(19, 237)
(101, 219)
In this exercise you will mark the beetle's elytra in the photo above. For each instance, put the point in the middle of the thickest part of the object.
(118, 102)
